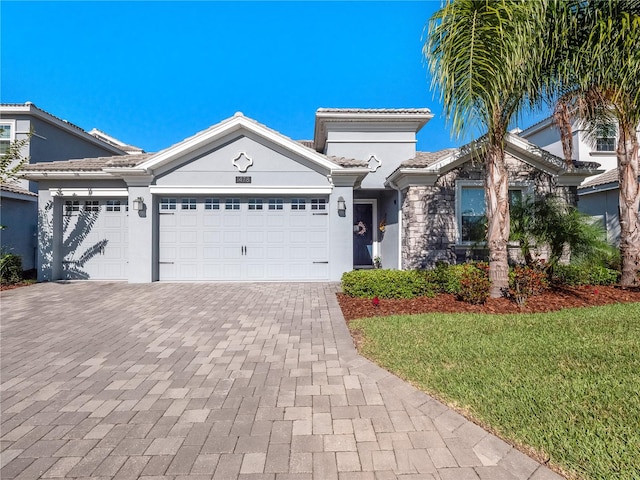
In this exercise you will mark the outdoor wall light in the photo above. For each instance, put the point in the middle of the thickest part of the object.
(138, 204)
(342, 205)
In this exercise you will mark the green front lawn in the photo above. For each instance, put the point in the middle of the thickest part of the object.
(566, 383)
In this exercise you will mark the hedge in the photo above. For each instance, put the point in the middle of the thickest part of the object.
(388, 283)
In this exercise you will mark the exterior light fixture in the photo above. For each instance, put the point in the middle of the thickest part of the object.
(138, 204)
(342, 205)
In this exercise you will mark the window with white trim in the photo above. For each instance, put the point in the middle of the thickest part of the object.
(92, 205)
(276, 204)
(6, 135)
(71, 206)
(255, 204)
(212, 204)
(298, 204)
(189, 204)
(471, 215)
(232, 204)
(113, 205)
(168, 203)
(606, 139)
(318, 204)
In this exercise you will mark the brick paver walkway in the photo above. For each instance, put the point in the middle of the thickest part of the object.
(223, 381)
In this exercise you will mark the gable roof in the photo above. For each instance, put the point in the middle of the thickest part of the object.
(29, 108)
(427, 167)
(230, 125)
(16, 189)
(130, 149)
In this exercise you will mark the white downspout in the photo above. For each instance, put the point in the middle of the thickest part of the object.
(395, 187)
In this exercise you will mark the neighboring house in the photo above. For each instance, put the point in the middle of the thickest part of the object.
(599, 197)
(240, 201)
(601, 149)
(52, 139)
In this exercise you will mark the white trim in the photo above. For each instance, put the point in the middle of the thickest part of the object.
(38, 175)
(237, 190)
(226, 127)
(89, 192)
(375, 250)
(371, 141)
(378, 165)
(12, 124)
(605, 187)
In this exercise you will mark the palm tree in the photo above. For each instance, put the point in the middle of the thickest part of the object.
(484, 59)
(597, 79)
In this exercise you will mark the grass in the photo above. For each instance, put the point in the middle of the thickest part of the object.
(566, 383)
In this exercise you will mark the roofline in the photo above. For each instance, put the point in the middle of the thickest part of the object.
(231, 125)
(419, 116)
(31, 109)
(65, 174)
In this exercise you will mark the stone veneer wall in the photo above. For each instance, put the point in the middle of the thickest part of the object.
(429, 213)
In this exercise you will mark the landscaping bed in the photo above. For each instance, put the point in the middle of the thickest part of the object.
(547, 301)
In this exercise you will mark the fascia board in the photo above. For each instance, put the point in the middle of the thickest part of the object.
(575, 178)
(605, 187)
(232, 125)
(18, 196)
(404, 178)
(36, 175)
(236, 190)
(89, 192)
(348, 177)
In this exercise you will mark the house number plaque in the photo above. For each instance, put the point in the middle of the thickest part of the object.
(244, 179)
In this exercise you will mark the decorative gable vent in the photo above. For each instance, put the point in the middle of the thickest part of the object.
(242, 162)
(373, 163)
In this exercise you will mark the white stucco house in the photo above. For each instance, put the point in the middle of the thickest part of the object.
(599, 195)
(242, 202)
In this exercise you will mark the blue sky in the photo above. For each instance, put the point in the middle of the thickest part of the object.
(153, 73)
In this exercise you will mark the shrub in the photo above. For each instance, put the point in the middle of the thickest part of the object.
(474, 284)
(583, 274)
(525, 282)
(10, 268)
(388, 283)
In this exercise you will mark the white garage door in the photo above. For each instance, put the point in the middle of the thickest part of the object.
(243, 238)
(95, 239)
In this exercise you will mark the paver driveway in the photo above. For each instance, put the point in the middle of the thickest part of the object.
(109, 380)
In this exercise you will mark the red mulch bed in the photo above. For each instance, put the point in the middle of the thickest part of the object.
(556, 299)
(14, 285)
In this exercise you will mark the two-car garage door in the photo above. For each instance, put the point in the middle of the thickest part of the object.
(242, 238)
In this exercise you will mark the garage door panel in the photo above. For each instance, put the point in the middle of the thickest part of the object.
(240, 241)
(99, 247)
(212, 220)
(212, 253)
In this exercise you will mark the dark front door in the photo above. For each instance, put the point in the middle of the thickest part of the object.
(362, 235)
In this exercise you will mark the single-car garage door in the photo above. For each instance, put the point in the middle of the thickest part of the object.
(95, 239)
(240, 238)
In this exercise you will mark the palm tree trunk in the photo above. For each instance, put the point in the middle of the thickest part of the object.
(627, 153)
(497, 201)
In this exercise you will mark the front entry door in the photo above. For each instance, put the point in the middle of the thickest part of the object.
(363, 235)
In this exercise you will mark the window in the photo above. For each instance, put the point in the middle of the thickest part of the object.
(167, 204)
(472, 212)
(71, 206)
(606, 140)
(113, 205)
(255, 204)
(188, 204)
(318, 204)
(5, 137)
(211, 204)
(232, 204)
(298, 204)
(92, 205)
(276, 204)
